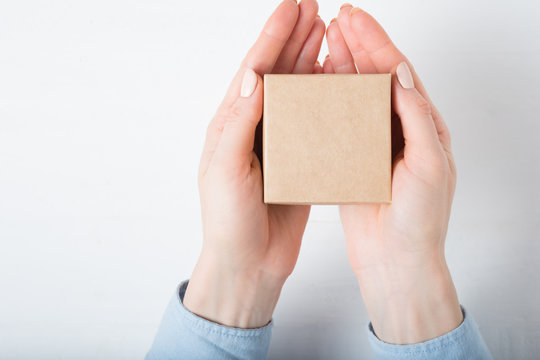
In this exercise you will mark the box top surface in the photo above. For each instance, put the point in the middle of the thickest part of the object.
(326, 138)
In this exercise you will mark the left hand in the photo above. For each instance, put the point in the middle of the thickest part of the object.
(397, 250)
(250, 248)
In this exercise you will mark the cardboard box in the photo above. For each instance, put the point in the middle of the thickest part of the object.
(327, 139)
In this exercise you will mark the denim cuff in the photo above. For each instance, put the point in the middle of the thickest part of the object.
(202, 326)
(464, 342)
(184, 335)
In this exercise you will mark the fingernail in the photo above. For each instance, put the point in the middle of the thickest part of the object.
(404, 76)
(333, 20)
(345, 5)
(354, 10)
(249, 82)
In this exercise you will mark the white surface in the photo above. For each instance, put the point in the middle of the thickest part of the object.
(103, 108)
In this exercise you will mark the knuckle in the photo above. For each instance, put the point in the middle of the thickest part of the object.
(200, 177)
(436, 113)
(447, 136)
(423, 105)
(452, 167)
(214, 128)
(239, 113)
(236, 111)
(438, 161)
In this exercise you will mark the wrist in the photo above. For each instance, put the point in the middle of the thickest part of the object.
(410, 305)
(232, 297)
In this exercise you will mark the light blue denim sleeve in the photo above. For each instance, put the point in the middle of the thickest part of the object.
(184, 335)
(464, 342)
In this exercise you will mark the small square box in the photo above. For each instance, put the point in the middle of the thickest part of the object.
(327, 139)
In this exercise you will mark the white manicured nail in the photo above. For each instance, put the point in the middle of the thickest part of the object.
(404, 76)
(249, 83)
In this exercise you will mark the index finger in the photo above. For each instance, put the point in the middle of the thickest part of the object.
(261, 59)
(263, 55)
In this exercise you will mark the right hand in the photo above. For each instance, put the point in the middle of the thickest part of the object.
(249, 247)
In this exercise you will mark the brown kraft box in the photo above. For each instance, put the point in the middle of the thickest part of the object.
(327, 139)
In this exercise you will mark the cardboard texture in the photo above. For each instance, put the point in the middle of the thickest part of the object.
(327, 139)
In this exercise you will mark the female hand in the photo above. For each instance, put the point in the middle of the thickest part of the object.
(397, 249)
(250, 248)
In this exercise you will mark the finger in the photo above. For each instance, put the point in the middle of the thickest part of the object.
(363, 62)
(307, 14)
(317, 68)
(369, 43)
(414, 111)
(342, 59)
(261, 58)
(367, 39)
(236, 143)
(310, 51)
(328, 68)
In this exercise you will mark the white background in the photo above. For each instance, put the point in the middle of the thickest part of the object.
(103, 109)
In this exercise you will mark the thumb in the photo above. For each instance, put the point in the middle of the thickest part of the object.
(415, 113)
(236, 143)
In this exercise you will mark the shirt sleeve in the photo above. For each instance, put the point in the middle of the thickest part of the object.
(184, 335)
(464, 342)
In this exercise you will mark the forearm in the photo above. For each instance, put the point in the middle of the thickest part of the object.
(232, 297)
(415, 313)
(224, 312)
(410, 305)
